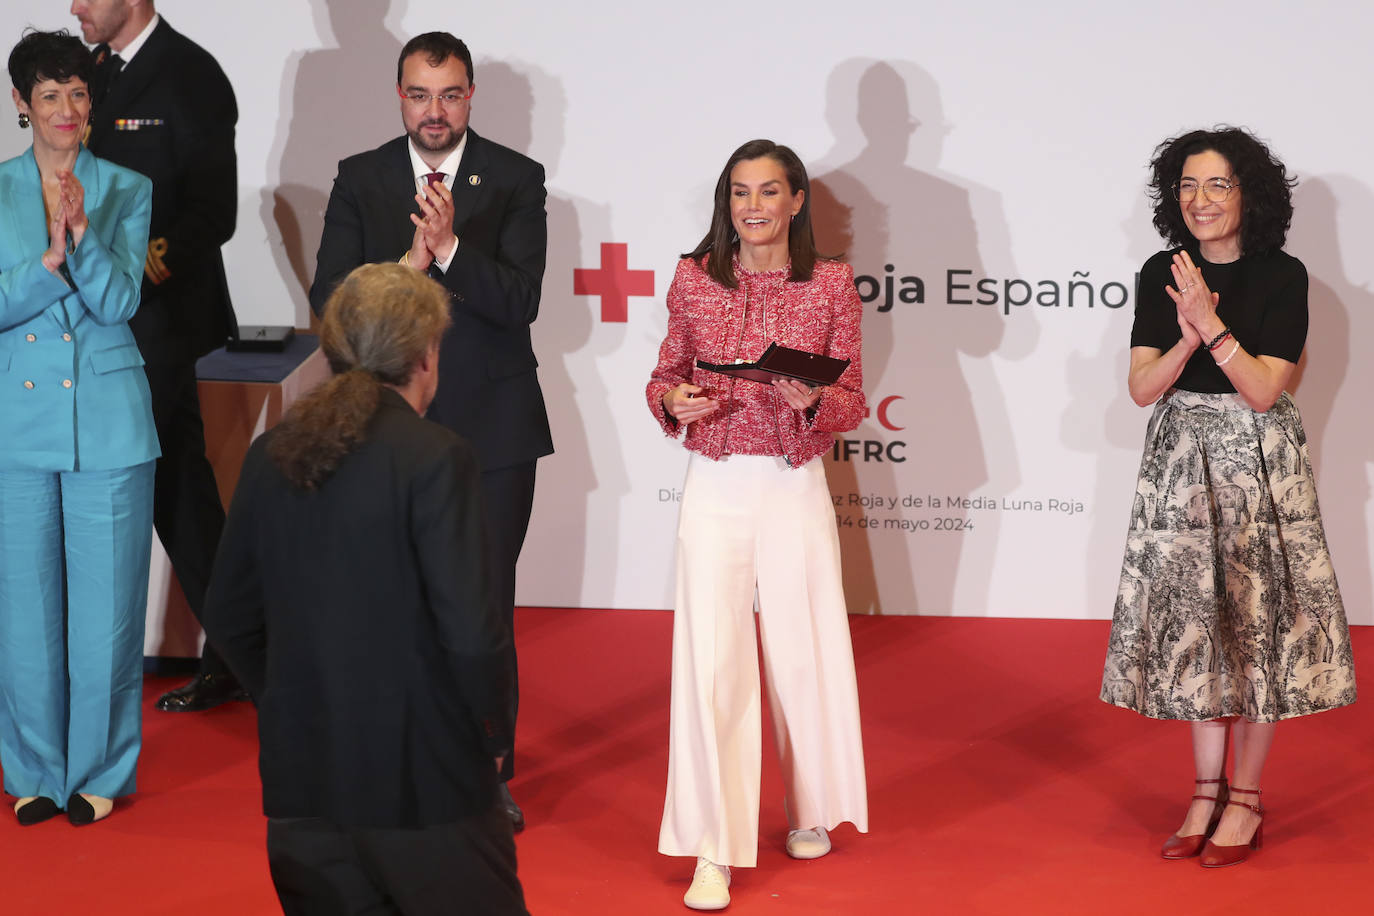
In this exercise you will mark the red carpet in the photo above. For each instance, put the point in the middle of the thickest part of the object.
(998, 784)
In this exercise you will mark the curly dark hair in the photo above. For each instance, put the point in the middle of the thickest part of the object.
(1266, 187)
(42, 56)
(377, 326)
(720, 241)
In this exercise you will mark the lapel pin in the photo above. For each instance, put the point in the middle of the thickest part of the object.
(474, 180)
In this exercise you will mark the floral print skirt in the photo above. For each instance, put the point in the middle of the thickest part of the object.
(1228, 605)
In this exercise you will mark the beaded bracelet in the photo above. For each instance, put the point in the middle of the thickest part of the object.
(1229, 355)
(1216, 341)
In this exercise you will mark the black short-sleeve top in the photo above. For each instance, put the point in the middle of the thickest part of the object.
(1263, 300)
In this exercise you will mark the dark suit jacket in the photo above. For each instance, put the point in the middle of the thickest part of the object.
(488, 391)
(170, 115)
(358, 618)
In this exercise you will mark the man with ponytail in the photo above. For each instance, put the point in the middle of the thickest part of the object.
(350, 596)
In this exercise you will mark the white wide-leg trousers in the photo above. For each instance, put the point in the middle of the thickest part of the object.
(750, 523)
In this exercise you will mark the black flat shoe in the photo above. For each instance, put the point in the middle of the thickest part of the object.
(81, 812)
(37, 811)
(508, 805)
(205, 691)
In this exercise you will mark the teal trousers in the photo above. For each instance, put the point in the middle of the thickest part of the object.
(74, 553)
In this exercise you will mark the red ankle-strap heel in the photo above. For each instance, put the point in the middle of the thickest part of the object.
(1214, 856)
(1185, 847)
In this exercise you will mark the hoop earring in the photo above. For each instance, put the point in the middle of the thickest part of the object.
(23, 120)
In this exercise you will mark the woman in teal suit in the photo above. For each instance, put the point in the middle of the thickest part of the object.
(77, 447)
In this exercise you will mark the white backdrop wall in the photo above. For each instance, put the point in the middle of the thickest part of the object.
(989, 151)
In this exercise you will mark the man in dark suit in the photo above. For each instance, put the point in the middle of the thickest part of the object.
(470, 213)
(164, 108)
(350, 596)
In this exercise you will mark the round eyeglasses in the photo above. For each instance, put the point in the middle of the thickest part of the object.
(446, 99)
(1214, 190)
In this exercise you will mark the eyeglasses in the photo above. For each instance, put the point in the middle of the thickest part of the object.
(1214, 190)
(447, 99)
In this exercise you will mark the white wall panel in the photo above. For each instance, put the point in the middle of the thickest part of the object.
(1004, 139)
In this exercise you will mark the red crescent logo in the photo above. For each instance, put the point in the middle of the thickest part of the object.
(882, 412)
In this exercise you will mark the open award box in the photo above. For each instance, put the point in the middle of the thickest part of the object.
(783, 362)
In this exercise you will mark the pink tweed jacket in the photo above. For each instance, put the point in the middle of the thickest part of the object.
(822, 315)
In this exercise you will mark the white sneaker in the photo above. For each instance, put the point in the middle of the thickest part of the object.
(808, 844)
(710, 888)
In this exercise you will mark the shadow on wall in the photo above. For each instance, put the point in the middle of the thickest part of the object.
(579, 492)
(1101, 410)
(1332, 391)
(340, 101)
(896, 215)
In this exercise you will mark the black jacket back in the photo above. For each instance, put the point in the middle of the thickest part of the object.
(358, 617)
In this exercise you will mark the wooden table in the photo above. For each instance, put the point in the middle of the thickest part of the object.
(241, 396)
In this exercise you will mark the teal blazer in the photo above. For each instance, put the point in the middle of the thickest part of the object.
(73, 394)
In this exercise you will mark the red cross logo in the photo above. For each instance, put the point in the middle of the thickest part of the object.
(614, 282)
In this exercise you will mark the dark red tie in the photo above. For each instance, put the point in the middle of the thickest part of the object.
(435, 178)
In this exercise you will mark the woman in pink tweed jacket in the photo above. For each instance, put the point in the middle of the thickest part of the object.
(821, 315)
(757, 519)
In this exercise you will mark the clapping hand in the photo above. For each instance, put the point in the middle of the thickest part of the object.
(419, 256)
(435, 220)
(67, 204)
(72, 197)
(1197, 305)
(56, 254)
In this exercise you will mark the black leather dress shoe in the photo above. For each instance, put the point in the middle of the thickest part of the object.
(508, 805)
(37, 811)
(206, 691)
